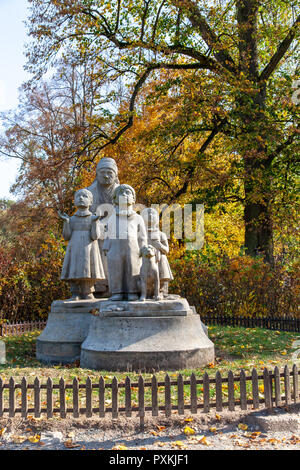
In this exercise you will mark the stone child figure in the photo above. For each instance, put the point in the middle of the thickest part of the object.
(126, 235)
(159, 240)
(82, 265)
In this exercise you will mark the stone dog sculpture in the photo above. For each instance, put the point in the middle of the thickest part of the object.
(149, 274)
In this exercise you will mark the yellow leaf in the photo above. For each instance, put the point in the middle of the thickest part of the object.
(213, 429)
(189, 431)
(243, 426)
(120, 447)
(34, 439)
(204, 441)
(218, 417)
(160, 444)
(178, 443)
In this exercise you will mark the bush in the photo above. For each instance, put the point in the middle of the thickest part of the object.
(237, 286)
(28, 287)
(240, 286)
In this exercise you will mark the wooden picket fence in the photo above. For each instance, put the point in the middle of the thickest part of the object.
(279, 324)
(17, 329)
(102, 399)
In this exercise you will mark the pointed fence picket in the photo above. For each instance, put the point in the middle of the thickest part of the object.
(270, 323)
(17, 329)
(270, 389)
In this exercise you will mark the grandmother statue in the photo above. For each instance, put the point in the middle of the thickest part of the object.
(102, 190)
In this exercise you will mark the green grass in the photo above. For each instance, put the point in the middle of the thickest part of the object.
(236, 348)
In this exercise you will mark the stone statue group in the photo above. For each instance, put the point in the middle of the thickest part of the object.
(116, 253)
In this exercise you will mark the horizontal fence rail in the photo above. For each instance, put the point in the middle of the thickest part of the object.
(242, 391)
(17, 329)
(280, 324)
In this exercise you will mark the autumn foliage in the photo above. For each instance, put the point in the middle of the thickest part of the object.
(194, 101)
(28, 286)
(239, 286)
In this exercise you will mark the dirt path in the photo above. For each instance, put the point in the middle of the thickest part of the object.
(223, 431)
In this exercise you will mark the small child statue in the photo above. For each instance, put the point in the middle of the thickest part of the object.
(82, 265)
(159, 240)
(126, 235)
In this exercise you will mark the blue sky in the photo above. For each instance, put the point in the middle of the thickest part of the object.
(12, 75)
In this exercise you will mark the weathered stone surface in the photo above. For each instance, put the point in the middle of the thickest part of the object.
(102, 190)
(67, 327)
(145, 336)
(205, 329)
(82, 265)
(277, 421)
(2, 353)
(125, 236)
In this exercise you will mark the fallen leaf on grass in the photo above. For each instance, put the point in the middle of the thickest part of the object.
(2, 431)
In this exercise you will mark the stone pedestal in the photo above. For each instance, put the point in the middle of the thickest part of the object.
(67, 327)
(146, 336)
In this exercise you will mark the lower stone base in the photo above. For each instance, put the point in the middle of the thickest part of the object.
(55, 352)
(67, 327)
(146, 336)
(146, 361)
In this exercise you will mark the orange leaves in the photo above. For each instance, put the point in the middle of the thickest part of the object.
(69, 444)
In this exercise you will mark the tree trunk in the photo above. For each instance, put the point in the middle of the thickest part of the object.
(257, 216)
(251, 99)
(257, 182)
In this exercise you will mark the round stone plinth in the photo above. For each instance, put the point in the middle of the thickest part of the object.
(67, 327)
(146, 336)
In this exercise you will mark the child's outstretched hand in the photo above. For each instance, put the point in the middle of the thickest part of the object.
(95, 217)
(64, 216)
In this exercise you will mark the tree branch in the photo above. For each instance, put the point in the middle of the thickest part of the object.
(192, 12)
(281, 50)
(218, 127)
